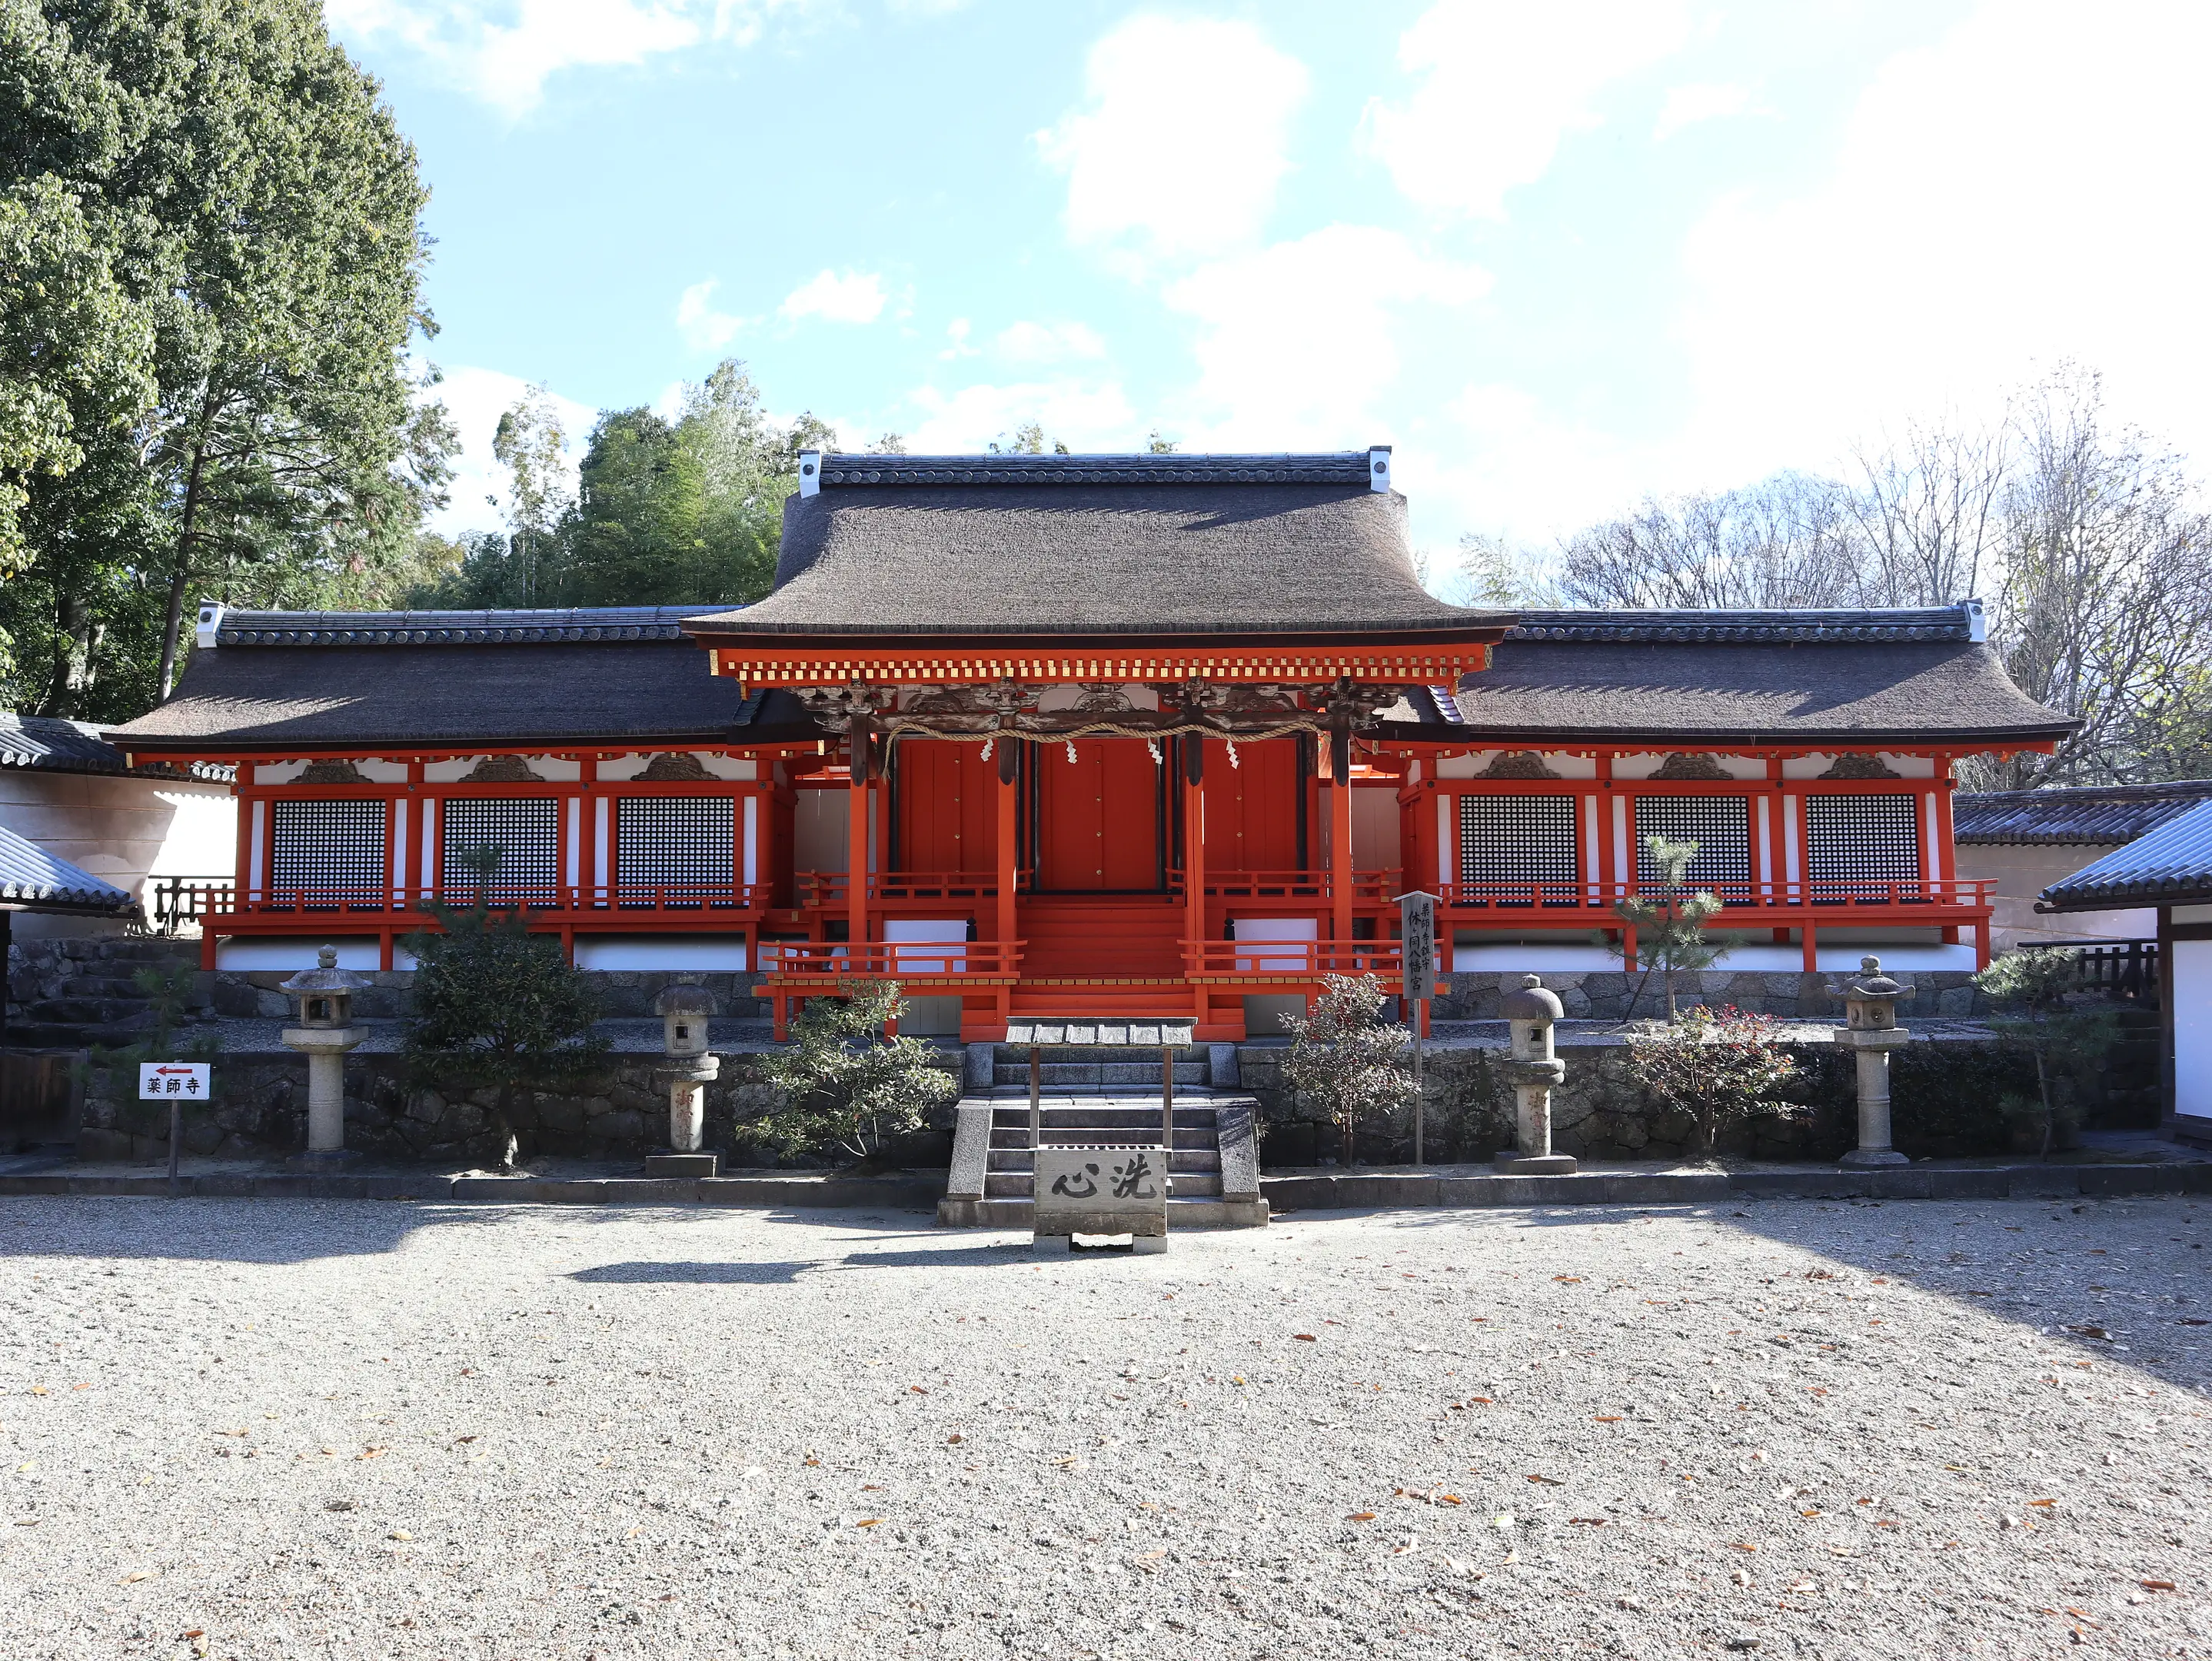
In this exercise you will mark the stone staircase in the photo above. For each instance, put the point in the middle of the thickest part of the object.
(71, 995)
(1107, 1097)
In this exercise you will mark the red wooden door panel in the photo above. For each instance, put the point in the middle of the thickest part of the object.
(947, 807)
(1251, 809)
(1098, 816)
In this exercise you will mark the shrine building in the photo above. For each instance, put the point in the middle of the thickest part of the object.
(1092, 736)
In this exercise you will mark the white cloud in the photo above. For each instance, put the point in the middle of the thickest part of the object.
(851, 297)
(703, 327)
(1182, 141)
(2016, 193)
(1504, 82)
(1699, 100)
(477, 399)
(1048, 342)
(504, 54)
(955, 336)
(1295, 341)
(1085, 415)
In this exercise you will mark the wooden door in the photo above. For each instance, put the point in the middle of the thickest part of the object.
(947, 807)
(1099, 817)
(1252, 808)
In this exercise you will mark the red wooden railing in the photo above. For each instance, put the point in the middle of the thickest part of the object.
(1293, 959)
(833, 889)
(1595, 900)
(554, 901)
(902, 960)
(1374, 886)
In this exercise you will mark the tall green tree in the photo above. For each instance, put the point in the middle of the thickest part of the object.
(258, 211)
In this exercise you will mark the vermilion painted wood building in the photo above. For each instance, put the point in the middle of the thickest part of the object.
(1126, 735)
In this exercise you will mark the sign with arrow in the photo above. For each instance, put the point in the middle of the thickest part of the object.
(183, 1081)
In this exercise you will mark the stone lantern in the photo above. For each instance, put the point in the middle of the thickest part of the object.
(1870, 1028)
(324, 1035)
(1530, 1014)
(683, 1011)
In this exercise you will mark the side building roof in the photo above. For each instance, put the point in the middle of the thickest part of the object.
(33, 880)
(2073, 813)
(1096, 548)
(1907, 676)
(2171, 865)
(279, 681)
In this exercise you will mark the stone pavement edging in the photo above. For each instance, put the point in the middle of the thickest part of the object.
(777, 1193)
(1354, 1191)
(1384, 1190)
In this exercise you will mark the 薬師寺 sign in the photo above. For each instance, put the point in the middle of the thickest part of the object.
(185, 1082)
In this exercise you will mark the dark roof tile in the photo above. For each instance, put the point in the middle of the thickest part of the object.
(2082, 814)
(32, 879)
(2171, 865)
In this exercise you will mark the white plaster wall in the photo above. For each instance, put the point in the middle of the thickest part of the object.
(1643, 767)
(2189, 980)
(722, 767)
(2022, 871)
(119, 830)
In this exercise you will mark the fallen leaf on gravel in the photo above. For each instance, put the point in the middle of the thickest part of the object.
(2042, 1502)
(337, 1504)
(1606, 1419)
(135, 1576)
(2156, 1586)
(1360, 1516)
(1843, 1551)
(80, 1386)
(867, 1522)
(1570, 1280)
(27, 1522)
(399, 1534)
(38, 1389)
(1817, 1390)
(1479, 1400)
(1808, 1513)
(917, 1390)
(1305, 1337)
(953, 1440)
(1741, 1545)
(2091, 1332)
(373, 1453)
(1588, 1522)
(1153, 1556)
(1449, 1500)
(2188, 1321)
(1549, 1481)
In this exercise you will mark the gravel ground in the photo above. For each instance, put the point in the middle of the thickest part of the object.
(269, 1428)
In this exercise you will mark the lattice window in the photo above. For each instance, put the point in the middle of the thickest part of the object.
(1852, 840)
(526, 830)
(681, 845)
(325, 853)
(1720, 825)
(1524, 841)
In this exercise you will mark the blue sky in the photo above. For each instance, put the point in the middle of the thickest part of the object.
(1560, 255)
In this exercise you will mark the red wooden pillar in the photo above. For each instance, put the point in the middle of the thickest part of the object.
(1194, 865)
(1010, 877)
(862, 805)
(1777, 855)
(1340, 854)
(587, 830)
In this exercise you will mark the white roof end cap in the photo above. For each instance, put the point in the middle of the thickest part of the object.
(1977, 621)
(1378, 468)
(210, 619)
(810, 472)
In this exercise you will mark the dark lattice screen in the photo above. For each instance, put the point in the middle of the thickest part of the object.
(526, 830)
(680, 843)
(1517, 840)
(1720, 825)
(327, 852)
(1875, 839)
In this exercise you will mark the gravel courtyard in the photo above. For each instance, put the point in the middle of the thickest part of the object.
(274, 1429)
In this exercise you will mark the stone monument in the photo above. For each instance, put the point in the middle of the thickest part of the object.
(1530, 1012)
(324, 1035)
(1870, 1028)
(1100, 1189)
(684, 1011)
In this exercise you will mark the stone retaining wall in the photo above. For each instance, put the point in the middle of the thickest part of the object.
(1945, 1093)
(259, 1110)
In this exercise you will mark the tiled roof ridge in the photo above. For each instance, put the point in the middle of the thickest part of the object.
(2168, 865)
(551, 624)
(2173, 789)
(1348, 467)
(1839, 624)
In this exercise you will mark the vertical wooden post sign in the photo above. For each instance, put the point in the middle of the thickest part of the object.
(1417, 945)
(175, 1083)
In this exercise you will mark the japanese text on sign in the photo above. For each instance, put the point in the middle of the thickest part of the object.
(160, 1081)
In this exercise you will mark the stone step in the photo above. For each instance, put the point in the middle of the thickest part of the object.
(1200, 1212)
(101, 986)
(85, 1011)
(1185, 1136)
(1123, 1072)
(70, 1035)
(1197, 1160)
(1019, 1184)
(1100, 1117)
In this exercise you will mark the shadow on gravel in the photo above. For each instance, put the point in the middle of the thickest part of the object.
(268, 1232)
(782, 1274)
(2131, 1297)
